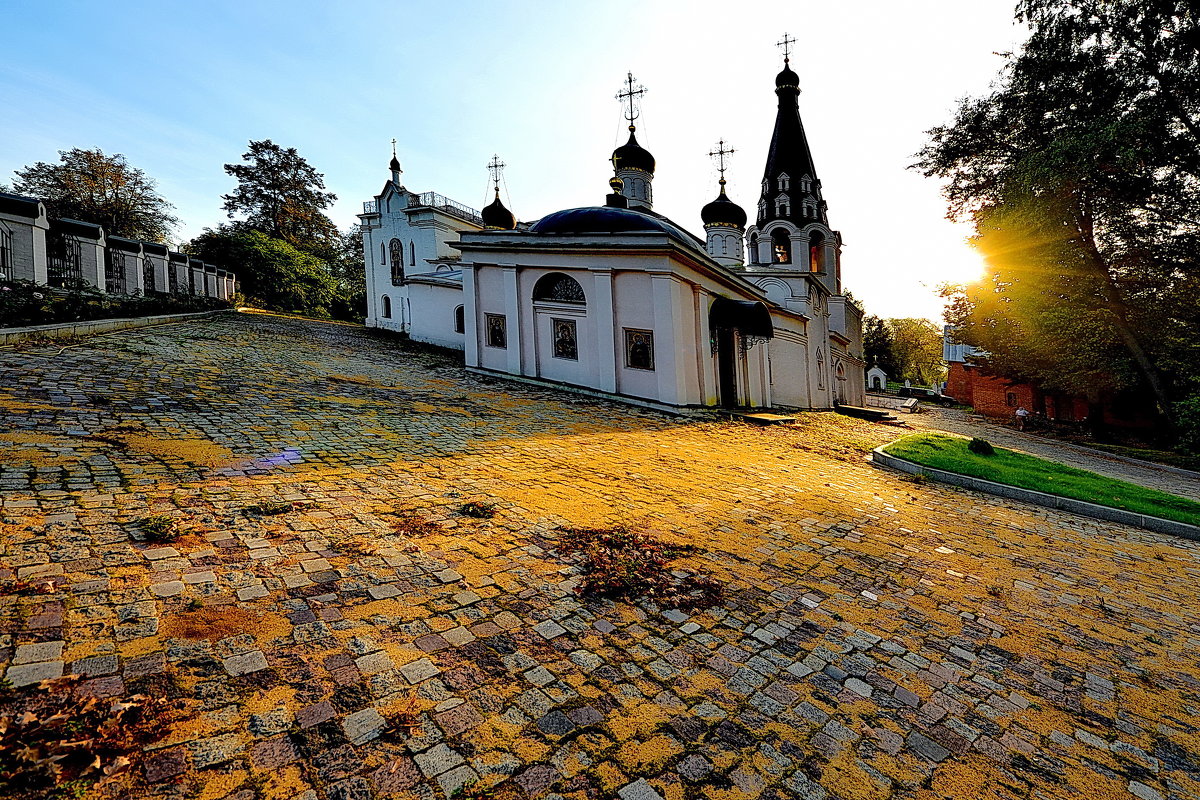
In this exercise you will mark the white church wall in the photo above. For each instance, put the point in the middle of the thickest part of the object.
(490, 299)
(633, 305)
(429, 313)
(788, 353)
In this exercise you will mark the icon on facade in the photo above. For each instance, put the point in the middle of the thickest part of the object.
(565, 343)
(497, 330)
(639, 349)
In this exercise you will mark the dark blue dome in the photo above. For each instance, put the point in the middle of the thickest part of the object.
(607, 219)
(632, 155)
(723, 211)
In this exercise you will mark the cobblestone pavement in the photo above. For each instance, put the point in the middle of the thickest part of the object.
(882, 638)
(1143, 473)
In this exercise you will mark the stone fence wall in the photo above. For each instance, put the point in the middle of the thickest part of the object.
(65, 253)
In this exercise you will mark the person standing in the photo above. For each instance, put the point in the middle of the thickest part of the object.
(1022, 415)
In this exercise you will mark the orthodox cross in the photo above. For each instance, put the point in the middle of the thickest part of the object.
(786, 44)
(629, 94)
(720, 154)
(393, 148)
(495, 166)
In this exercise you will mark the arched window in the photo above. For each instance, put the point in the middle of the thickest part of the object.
(559, 288)
(382, 253)
(816, 251)
(782, 246)
(397, 249)
(1010, 399)
(784, 182)
(754, 249)
(412, 253)
(805, 184)
(387, 307)
(783, 206)
(459, 322)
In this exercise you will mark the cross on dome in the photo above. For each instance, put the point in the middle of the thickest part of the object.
(629, 94)
(495, 167)
(719, 154)
(786, 45)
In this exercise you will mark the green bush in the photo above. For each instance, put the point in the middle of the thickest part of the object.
(1187, 416)
(27, 303)
(981, 447)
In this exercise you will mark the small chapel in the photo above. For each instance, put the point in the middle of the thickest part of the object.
(617, 301)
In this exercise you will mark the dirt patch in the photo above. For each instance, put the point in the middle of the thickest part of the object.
(212, 623)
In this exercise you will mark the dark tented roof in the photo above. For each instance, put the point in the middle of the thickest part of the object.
(153, 247)
(789, 154)
(180, 257)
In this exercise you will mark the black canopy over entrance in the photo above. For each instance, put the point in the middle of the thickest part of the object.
(748, 317)
(751, 321)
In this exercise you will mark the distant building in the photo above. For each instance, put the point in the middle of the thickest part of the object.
(617, 300)
(876, 379)
(968, 382)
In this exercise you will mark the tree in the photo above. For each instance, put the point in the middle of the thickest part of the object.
(272, 273)
(348, 271)
(1081, 174)
(878, 347)
(282, 195)
(917, 348)
(105, 190)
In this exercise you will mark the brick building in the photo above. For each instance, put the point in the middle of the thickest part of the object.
(998, 398)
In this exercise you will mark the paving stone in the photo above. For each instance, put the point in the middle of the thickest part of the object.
(245, 663)
(26, 674)
(41, 651)
(437, 760)
(549, 629)
(419, 670)
(168, 588)
(363, 726)
(638, 790)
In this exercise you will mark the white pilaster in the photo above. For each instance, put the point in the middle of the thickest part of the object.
(604, 320)
(472, 325)
(512, 310)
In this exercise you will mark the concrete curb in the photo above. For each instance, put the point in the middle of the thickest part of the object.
(67, 330)
(1081, 507)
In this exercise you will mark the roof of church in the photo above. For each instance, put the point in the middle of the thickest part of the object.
(607, 219)
(788, 155)
(495, 215)
(632, 155)
(723, 211)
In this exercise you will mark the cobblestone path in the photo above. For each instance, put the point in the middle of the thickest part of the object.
(1143, 473)
(882, 638)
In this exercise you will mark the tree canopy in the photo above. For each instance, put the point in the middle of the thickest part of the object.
(1081, 173)
(271, 272)
(282, 195)
(92, 186)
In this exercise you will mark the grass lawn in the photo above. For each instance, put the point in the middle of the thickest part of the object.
(950, 453)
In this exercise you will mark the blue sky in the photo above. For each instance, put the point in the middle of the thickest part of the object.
(179, 88)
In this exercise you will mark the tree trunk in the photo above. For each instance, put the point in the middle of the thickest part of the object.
(1115, 304)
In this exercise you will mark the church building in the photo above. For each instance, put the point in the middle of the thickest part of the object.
(617, 301)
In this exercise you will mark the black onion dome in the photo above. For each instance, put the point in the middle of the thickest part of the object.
(495, 215)
(632, 155)
(723, 211)
(394, 164)
(787, 79)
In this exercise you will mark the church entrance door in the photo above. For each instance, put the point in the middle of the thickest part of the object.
(727, 367)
